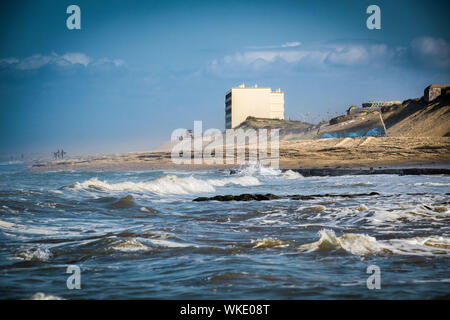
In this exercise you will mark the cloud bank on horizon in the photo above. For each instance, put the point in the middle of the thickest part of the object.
(37, 61)
(422, 51)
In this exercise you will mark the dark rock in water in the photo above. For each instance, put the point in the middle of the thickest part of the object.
(300, 197)
(328, 195)
(201, 199)
(242, 197)
(123, 203)
(269, 196)
(312, 172)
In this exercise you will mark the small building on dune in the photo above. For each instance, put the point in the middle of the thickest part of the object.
(375, 105)
(433, 91)
(370, 106)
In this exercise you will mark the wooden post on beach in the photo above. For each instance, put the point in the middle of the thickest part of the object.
(382, 122)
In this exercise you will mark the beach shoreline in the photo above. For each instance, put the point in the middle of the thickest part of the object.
(328, 155)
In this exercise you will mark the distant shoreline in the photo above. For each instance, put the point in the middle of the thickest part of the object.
(386, 155)
(419, 169)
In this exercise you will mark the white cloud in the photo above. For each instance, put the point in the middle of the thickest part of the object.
(38, 61)
(8, 61)
(318, 56)
(432, 51)
(77, 58)
(284, 45)
(34, 62)
(291, 44)
(291, 57)
(348, 56)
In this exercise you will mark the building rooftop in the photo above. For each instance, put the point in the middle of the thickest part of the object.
(255, 86)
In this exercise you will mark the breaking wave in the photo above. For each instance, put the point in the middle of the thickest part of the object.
(269, 243)
(291, 175)
(269, 171)
(432, 184)
(35, 254)
(167, 184)
(361, 244)
(435, 213)
(130, 245)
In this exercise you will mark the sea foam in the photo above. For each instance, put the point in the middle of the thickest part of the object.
(167, 184)
(362, 244)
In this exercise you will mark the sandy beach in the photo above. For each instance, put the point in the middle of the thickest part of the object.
(294, 154)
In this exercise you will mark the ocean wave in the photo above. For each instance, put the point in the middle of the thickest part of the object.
(258, 169)
(354, 243)
(133, 245)
(243, 181)
(291, 175)
(410, 213)
(34, 254)
(167, 184)
(6, 224)
(261, 170)
(123, 203)
(432, 184)
(170, 244)
(352, 184)
(313, 209)
(130, 245)
(273, 222)
(362, 244)
(269, 243)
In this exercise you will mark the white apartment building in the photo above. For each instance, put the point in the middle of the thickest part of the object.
(241, 102)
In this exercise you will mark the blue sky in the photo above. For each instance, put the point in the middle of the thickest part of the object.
(139, 69)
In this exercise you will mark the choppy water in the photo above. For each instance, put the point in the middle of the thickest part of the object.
(140, 235)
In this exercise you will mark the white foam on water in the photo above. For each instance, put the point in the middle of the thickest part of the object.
(43, 296)
(243, 181)
(5, 224)
(130, 245)
(411, 213)
(312, 209)
(170, 244)
(361, 208)
(358, 244)
(34, 254)
(17, 228)
(268, 221)
(362, 244)
(167, 184)
(432, 184)
(291, 175)
(258, 169)
(269, 243)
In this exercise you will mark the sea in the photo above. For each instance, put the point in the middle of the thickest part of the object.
(140, 235)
